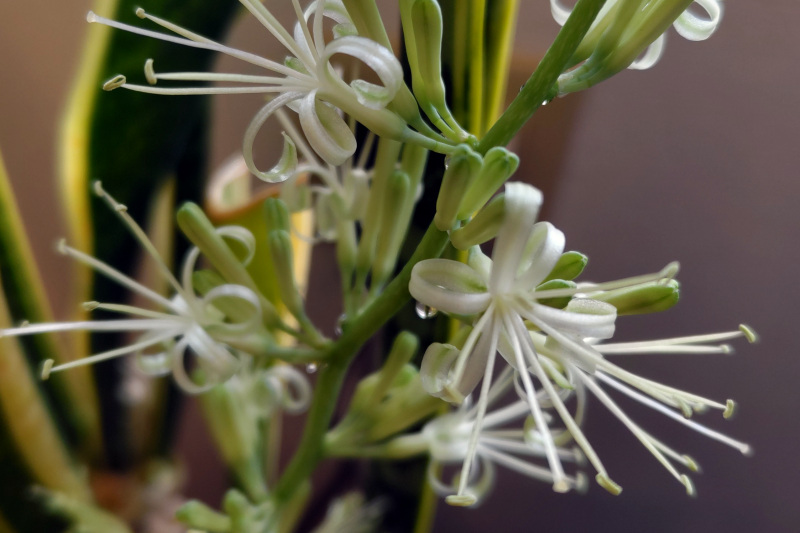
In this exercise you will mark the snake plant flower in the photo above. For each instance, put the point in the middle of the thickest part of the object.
(502, 293)
(502, 439)
(188, 324)
(306, 82)
(631, 34)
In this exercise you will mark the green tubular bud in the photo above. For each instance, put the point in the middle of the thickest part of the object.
(569, 266)
(640, 299)
(498, 165)
(403, 349)
(197, 515)
(346, 246)
(481, 228)
(280, 246)
(461, 169)
(201, 232)
(558, 303)
(391, 232)
(277, 214)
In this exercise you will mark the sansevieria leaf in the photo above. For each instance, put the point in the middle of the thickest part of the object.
(132, 142)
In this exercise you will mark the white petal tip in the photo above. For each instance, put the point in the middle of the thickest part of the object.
(749, 333)
(461, 500)
(730, 410)
(607, 483)
(47, 367)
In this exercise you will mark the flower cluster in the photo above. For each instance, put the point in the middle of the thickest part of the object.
(548, 330)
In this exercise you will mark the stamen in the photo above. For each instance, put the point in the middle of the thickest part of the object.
(571, 424)
(744, 448)
(141, 236)
(110, 354)
(195, 91)
(115, 83)
(559, 482)
(268, 20)
(477, 424)
(201, 43)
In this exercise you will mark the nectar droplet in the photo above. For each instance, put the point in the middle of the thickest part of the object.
(426, 311)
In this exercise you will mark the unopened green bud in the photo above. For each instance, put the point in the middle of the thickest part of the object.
(398, 191)
(280, 246)
(277, 214)
(558, 303)
(640, 299)
(483, 227)
(295, 64)
(498, 165)
(569, 266)
(197, 515)
(463, 166)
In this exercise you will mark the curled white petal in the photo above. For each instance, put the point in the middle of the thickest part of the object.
(326, 131)
(255, 126)
(695, 28)
(378, 58)
(296, 391)
(581, 318)
(449, 286)
(243, 295)
(652, 55)
(522, 202)
(546, 245)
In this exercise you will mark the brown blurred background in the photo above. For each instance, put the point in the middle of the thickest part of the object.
(693, 160)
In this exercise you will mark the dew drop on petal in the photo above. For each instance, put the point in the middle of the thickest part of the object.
(311, 368)
(425, 311)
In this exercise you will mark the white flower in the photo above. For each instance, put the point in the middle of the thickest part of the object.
(453, 438)
(306, 82)
(188, 323)
(502, 293)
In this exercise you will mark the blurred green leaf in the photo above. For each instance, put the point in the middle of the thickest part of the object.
(132, 142)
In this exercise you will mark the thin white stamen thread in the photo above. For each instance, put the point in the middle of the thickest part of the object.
(658, 389)
(530, 392)
(209, 45)
(116, 275)
(301, 20)
(744, 448)
(572, 426)
(469, 345)
(127, 309)
(536, 472)
(111, 353)
(664, 349)
(522, 448)
(690, 340)
(268, 20)
(633, 427)
(366, 149)
(477, 424)
(224, 77)
(197, 91)
(140, 235)
(93, 325)
(506, 414)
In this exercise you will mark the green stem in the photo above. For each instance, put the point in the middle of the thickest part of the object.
(539, 86)
(356, 333)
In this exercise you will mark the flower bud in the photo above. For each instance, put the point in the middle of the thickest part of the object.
(463, 166)
(640, 299)
(498, 165)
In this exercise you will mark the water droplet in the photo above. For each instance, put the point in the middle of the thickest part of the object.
(340, 324)
(426, 311)
(311, 368)
(546, 101)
